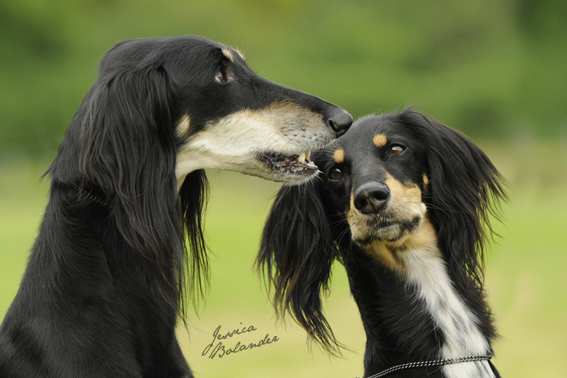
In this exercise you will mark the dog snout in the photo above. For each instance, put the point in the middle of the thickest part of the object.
(371, 197)
(339, 120)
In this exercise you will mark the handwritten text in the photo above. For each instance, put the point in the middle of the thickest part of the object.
(220, 350)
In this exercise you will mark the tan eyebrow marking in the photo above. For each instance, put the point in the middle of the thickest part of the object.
(380, 140)
(228, 54)
(339, 155)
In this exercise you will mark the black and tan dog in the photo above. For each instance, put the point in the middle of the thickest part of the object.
(106, 279)
(403, 202)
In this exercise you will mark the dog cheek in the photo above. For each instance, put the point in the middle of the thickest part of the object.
(357, 231)
(304, 128)
(358, 227)
(406, 202)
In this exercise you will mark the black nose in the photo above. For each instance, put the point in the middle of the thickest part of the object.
(339, 121)
(369, 198)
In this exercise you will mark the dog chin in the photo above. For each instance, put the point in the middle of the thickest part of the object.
(393, 233)
(389, 234)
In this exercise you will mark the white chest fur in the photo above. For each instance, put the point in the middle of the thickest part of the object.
(425, 269)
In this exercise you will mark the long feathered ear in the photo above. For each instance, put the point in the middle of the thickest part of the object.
(296, 255)
(193, 197)
(463, 194)
(122, 141)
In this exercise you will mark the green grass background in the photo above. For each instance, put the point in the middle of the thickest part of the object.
(525, 273)
(494, 69)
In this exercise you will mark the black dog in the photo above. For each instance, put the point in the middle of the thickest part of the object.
(401, 202)
(106, 278)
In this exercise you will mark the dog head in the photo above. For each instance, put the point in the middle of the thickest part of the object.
(160, 111)
(391, 183)
(374, 178)
(225, 115)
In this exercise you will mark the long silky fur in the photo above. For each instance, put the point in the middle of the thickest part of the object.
(297, 251)
(193, 199)
(134, 166)
(464, 195)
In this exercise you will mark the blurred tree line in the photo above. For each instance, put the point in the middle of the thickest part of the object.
(490, 68)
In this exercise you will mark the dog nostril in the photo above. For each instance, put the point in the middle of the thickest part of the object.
(340, 121)
(380, 193)
(370, 198)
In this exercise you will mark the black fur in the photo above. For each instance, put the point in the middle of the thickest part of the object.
(307, 230)
(106, 279)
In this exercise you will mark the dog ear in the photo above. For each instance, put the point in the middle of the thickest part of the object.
(296, 254)
(463, 195)
(193, 197)
(122, 141)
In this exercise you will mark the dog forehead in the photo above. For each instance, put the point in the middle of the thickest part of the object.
(363, 138)
(171, 50)
(375, 132)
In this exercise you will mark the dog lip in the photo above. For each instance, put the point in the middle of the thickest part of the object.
(387, 229)
(295, 165)
(385, 224)
(379, 221)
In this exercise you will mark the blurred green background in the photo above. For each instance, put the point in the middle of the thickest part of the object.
(493, 69)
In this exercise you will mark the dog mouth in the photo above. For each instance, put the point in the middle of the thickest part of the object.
(386, 230)
(297, 165)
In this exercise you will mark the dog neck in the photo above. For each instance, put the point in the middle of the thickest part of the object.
(410, 309)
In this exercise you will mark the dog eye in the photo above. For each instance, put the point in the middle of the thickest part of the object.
(396, 149)
(336, 174)
(224, 76)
